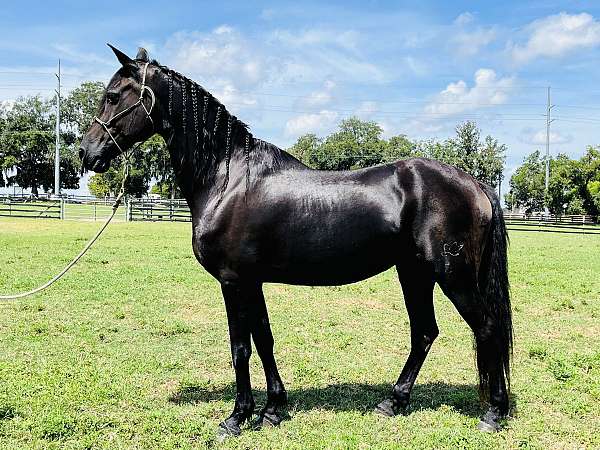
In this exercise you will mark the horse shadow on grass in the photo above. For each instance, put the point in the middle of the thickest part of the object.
(360, 397)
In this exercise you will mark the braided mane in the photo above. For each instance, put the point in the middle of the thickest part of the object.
(206, 132)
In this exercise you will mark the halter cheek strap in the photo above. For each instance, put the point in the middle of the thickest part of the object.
(140, 102)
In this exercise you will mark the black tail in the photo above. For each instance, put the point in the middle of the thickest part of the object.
(495, 291)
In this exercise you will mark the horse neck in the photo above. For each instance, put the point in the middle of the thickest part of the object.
(201, 135)
(224, 149)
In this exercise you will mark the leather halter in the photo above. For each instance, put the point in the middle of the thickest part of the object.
(130, 108)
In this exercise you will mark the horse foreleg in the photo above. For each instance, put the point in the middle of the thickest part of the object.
(271, 414)
(239, 318)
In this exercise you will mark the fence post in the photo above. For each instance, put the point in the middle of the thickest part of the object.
(62, 209)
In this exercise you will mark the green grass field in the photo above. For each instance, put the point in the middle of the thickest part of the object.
(131, 350)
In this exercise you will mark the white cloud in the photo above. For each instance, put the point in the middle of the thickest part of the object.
(223, 60)
(367, 109)
(71, 53)
(348, 39)
(538, 137)
(228, 94)
(415, 66)
(320, 97)
(468, 40)
(458, 97)
(267, 14)
(464, 19)
(221, 54)
(223, 29)
(317, 53)
(469, 43)
(556, 36)
(317, 123)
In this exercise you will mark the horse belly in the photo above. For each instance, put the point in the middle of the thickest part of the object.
(333, 257)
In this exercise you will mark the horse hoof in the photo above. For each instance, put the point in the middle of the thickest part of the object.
(266, 420)
(226, 431)
(488, 427)
(489, 421)
(386, 408)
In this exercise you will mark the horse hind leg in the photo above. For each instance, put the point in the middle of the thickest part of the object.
(417, 286)
(463, 291)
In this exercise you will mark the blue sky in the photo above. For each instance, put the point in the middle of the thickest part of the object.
(288, 68)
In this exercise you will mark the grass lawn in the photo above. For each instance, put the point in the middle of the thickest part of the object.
(131, 350)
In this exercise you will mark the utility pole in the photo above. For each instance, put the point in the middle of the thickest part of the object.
(549, 106)
(500, 185)
(57, 149)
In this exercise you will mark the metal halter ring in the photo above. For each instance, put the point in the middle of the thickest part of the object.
(127, 110)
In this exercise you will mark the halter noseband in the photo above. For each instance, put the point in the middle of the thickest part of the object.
(127, 110)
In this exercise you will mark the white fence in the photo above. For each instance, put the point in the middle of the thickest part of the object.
(552, 224)
(156, 210)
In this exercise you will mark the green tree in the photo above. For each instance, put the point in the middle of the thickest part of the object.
(157, 161)
(305, 146)
(484, 160)
(2, 151)
(590, 189)
(356, 144)
(28, 147)
(527, 185)
(80, 107)
(100, 185)
(399, 147)
(150, 161)
(573, 187)
(565, 186)
(109, 182)
(360, 143)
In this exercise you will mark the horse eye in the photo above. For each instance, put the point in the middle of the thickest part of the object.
(112, 97)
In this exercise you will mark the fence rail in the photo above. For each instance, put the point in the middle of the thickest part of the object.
(159, 210)
(579, 224)
(30, 208)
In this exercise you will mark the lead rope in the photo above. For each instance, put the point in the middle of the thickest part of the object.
(115, 206)
(106, 126)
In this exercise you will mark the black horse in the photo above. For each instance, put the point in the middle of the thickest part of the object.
(259, 215)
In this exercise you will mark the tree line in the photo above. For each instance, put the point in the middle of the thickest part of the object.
(359, 143)
(27, 147)
(27, 140)
(573, 187)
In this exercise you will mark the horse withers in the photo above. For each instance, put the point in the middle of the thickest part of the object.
(260, 216)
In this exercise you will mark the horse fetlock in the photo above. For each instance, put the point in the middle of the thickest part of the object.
(401, 394)
(277, 397)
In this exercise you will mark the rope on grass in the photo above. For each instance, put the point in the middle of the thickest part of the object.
(49, 283)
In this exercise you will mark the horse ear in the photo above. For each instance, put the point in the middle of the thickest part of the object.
(142, 55)
(125, 60)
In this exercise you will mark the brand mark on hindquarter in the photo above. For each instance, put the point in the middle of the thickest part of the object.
(452, 249)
